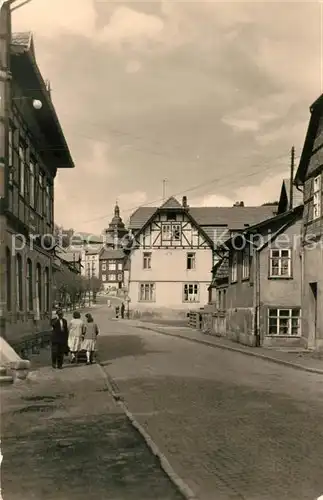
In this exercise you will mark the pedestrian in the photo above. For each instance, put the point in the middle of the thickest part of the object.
(117, 312)
(76, 330)
(59, 339)
(122, 310)
(91, 331)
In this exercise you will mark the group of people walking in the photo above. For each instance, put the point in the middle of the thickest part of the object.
(79, 335)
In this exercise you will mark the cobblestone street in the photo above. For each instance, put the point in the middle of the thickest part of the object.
(233, 427)
(64, 438)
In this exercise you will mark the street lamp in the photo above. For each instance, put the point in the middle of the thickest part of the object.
(37, 104)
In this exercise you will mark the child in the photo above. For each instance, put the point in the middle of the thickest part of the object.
(89, 338)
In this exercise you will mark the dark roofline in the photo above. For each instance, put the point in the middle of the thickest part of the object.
(189, 216)
(316, 111)
(28, 54)
(267, 222)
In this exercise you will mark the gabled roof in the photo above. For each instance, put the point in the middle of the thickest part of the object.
(284, 199)
(284, 218)
(171, 203)
(316, 115)
(28, 77)
(232, 217)
(107, 254)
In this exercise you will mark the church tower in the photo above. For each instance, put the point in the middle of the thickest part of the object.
(116, 230)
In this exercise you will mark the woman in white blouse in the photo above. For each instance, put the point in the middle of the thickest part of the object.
(76, 331)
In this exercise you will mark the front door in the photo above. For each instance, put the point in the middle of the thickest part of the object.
(313, 312)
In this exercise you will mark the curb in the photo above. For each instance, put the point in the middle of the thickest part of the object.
(164, 463)
(289, 364)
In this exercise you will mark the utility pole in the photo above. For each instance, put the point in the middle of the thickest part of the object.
(164, 189)
(5, 77)
(292, 166)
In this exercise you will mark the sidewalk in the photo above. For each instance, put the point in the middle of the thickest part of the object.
(298, 359)
(64, 438)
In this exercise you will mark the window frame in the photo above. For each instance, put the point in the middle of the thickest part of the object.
(146, 261)
(22, 167)
(151, 291)
(280, 258)
(197, 294)
(246, 263)
(290, 317)
(317, 197)
(191, 257)
(234, 267)
(19, 283)
(29, 285)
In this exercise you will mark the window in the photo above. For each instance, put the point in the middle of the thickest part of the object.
(29, 286)
(112, 265)
(120, 266)
(280, 264)
(246, 263)
(46, 289)
(317, 209)
(112, 277)
(47, 201)
(171, 232)
(10, 154)
(8, 278)
(171, 216)
(190, 261)
(22, 158)
(234, 267)
(191, 292)
(38, 288)
(19, 272)
(40, 193)
(147, 260)
(32, 184)
(119, 277)
(104, 277)
(147, 292)
(104, 266)
(284, 322)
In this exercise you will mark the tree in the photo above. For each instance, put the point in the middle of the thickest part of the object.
(95, 286)
(268, 203)
(62, 236)
(69, 287)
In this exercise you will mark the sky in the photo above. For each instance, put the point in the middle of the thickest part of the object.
(210, 96)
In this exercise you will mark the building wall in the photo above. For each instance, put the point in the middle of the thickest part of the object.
(168, 272)
(313, 273)
(22, 324)
(283, 293)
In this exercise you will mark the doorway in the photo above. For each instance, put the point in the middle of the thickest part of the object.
(313, 311)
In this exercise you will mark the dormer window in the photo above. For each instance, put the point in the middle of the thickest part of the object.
(171, 216)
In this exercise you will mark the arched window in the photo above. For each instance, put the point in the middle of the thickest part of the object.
(38, 288)
(46, 289)
(19, 272)
(8, 278)
(29, 288)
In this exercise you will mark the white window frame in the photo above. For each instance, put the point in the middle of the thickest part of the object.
(10, 153)
(32, 170)
(146, 260)
(112, 277)
(119, 277)
(191, 292)
(104, 277)
(234, 267)
(147, 292)
(169, 230)
(104, 266)
(120, 266)
(246, 263)
(191, 257)
(280, 315)
(22, 166)
(278, 253)
(317, 197)
(112, 266)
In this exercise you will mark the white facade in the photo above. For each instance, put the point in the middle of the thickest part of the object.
(90, 263)
(171, 266)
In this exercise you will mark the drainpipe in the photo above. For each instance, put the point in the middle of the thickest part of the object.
(257, 297)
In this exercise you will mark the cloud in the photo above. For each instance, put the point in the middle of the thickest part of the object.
(129, 26)
(51, 19)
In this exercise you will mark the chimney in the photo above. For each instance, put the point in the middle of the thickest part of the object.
(184, 202)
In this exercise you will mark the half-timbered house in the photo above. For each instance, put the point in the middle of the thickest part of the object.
(172, 256)
(309, 179)
(36, 149)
